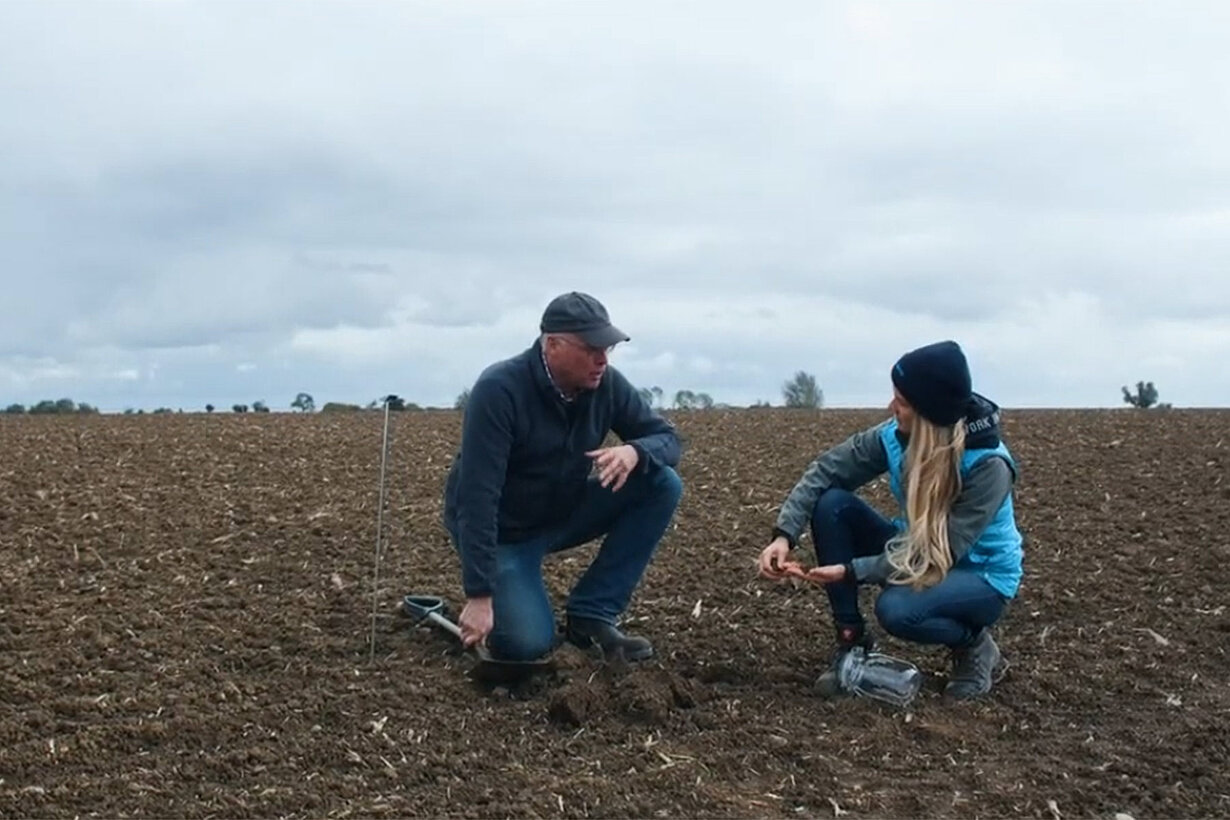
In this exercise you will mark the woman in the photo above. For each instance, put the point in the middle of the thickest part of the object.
(951, 565)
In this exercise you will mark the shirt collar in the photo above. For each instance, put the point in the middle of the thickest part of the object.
(543, 353)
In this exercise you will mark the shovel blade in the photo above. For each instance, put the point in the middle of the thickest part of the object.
(499, 670)
(487, 669)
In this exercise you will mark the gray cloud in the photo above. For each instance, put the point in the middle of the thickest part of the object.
(362, 200)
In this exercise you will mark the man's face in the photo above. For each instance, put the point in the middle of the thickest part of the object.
(574, 364)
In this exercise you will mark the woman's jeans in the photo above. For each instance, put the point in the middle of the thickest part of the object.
(633, 519)
(951, 613)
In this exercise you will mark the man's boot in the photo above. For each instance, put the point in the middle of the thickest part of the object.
(828, 685)
(975, 668)
(586, 633)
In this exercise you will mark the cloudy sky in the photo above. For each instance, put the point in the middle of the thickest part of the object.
(226, 202)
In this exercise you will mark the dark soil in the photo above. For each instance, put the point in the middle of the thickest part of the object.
(186, 604)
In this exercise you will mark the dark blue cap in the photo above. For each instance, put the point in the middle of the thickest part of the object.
(583, 315)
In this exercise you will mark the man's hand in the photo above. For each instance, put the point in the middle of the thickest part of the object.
(829, 574)
(614, 464)
(476, 620)
(773, 563)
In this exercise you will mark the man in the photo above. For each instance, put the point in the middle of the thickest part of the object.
(521, 487)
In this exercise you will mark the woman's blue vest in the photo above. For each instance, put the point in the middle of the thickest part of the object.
(996, 555)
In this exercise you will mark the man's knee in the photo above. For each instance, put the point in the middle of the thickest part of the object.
(661, 485)
(667, 484)
(522, 640)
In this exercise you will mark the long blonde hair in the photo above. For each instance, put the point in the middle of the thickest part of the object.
(920, 556)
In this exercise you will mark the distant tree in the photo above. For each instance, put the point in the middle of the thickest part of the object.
(239, 408)
(60, 406)
(209, 408)
(304, 403)
(1145, 396)
(651, 395)
(704, 401)
(339, 407)
(801, 391)
(164, 410)
(761, 403)
(463, 398)
(396, 403)
(260, 407)
(15, 408)
(685, 400)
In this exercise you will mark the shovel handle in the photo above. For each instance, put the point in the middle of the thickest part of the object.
(478, 649)
(444, 623)
(488, 668)
(429, 609)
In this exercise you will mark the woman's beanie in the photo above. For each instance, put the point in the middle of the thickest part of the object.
(935, 381)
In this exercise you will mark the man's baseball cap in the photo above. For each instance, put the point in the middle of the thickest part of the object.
(583, 315)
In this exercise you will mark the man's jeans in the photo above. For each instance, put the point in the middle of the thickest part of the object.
(633, 519)
(951, 613)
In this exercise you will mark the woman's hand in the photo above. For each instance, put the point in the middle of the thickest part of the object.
(830, 574)
(774, 563)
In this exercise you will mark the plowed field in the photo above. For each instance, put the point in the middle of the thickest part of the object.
(186, 604)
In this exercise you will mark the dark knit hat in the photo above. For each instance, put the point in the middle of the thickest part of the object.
(935, 381)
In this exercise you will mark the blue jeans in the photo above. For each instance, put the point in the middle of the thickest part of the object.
(633, 520)
(951, 613)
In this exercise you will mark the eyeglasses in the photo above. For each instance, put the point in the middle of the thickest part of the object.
(590, 349)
